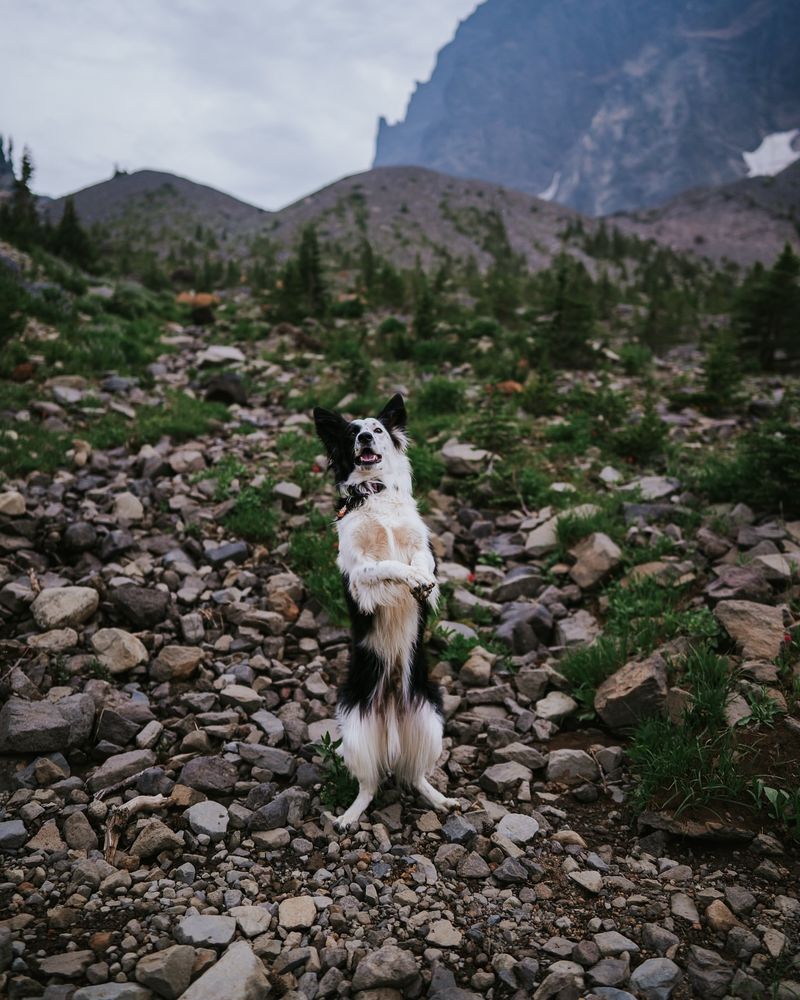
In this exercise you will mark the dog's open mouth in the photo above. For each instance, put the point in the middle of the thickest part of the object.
(368, 457)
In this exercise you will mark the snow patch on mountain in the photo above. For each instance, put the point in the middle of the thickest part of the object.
(775, 153)
(551, 190)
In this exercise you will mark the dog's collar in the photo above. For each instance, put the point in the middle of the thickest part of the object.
(354, 495)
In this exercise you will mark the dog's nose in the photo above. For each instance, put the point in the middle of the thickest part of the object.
(364, 437)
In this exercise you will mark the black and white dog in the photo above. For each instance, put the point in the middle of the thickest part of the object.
(389, 712)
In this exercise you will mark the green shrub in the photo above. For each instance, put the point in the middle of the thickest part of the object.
(635, 358)
(642, 441)
(254, 515)
(440, 395)
(13, 303)
(763, 471)
(312, 555)
(427, 467)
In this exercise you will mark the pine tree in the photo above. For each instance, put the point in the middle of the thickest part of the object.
(767, 312)
(70, 240)
(572, 316)
(722, 373)
(424, 322)
(309, 272)
(19, 220)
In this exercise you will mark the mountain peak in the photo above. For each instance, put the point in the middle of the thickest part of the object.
(605, 106)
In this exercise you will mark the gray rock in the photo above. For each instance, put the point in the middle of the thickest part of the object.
(155, 837)
(511, 872)
(614, 943)
(205, 930)
(500, 778)
(78, 832)
(176, 663)
(571, 766)
(740, 900)
(280, 762)
(609, 972)
(633, 693)
(79, 711)
(118, 650)
(464, 459)
(756, 628)
(6, 951)
(212, 775)
(113, 991)
(591, 881)
(12, 834)
(658, 938)
(238, 975)
(235, 552)
(708, 972)
(64, 607)
(577, 630)
(32, 726)
(210, 818)
(519, 828)
(522, 754)
(119, 767)
(141, 607)
(389, 966)
(738, 583)
(556, 707)
(596, 556)
(297, 913)
(167, 972)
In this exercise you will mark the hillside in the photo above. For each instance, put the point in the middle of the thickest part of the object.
(747, 221)
(617, 646)
(602, 105)
(405, 212)
(412, 212)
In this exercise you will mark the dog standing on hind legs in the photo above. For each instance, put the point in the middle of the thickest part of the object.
(389, 711)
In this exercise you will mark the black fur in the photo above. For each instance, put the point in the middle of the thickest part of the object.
(366, 668)
(338, 436)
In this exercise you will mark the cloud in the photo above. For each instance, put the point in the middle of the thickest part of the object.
(265, 99)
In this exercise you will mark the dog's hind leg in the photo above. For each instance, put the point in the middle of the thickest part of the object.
(421, 746)
(363, 749)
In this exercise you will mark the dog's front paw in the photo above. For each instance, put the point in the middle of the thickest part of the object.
(422, 591)
(447, 804)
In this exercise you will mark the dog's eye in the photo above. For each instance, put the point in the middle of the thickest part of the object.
(379, 430)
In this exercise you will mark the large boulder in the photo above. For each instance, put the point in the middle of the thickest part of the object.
(64, 607)
(596, 556)
(32, 727)
(757, 628)
(118, 650)
(389, 966)
(636, 691)
(238, 975)
(464, 459)
(569, 766)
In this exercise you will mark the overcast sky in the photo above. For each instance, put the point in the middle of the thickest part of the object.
(266, 99)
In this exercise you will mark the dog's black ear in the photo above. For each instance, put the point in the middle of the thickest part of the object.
(331, 428)
(393, 415)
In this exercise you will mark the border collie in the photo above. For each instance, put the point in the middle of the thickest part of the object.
(389, 712)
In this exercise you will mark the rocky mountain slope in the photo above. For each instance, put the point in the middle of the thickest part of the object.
(604, 106)
(406, 212)
(172, 637)
(403, 211)
(747, 221)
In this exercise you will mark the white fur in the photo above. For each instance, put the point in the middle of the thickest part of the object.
(384, 550)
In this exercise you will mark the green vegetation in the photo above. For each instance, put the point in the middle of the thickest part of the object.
(339, 787)
(312, 554)
(254, 515)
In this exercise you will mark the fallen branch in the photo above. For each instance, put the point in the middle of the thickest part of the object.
(120, 816)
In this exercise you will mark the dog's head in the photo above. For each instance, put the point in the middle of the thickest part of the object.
(369, 448)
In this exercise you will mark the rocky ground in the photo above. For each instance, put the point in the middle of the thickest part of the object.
(166, 683)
